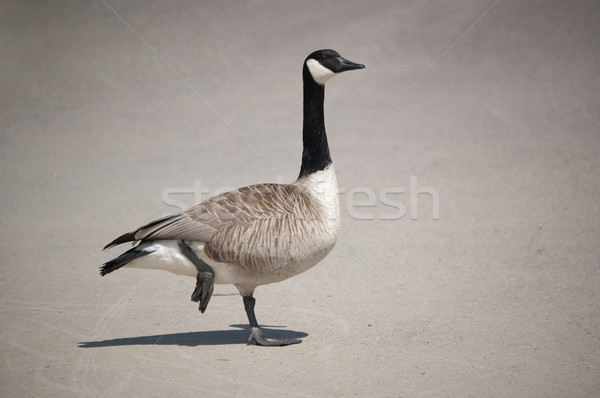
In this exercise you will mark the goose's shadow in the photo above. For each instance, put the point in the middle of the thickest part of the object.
(192, 339)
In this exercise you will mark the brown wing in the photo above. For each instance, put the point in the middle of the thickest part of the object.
(239, 208)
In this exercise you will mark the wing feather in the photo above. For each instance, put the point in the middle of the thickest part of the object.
(240, 208)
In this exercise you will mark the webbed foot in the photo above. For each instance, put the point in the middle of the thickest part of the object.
(256, 337)
(205, 283)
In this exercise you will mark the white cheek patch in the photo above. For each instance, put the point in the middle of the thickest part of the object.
(319, 73)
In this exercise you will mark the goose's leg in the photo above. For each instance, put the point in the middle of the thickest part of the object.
(256, 335)
(205, 281)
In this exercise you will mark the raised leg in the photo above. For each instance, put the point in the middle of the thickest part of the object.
(205, 281)
(256, 335)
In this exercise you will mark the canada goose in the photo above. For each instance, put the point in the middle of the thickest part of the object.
(258, 234)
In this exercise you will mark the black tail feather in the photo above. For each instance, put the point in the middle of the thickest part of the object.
(126, 258)
(128, 237)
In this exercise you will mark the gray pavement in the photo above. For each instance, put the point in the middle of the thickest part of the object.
(110, 112)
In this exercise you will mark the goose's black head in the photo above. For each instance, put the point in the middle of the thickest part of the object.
(322, 65)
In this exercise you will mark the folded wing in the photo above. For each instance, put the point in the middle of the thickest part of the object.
(235, 210)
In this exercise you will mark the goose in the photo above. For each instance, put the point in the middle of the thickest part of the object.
(258, 234)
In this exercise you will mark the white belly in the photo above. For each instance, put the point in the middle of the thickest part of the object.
(168, 257)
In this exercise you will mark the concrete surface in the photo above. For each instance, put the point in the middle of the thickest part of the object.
(492, 106)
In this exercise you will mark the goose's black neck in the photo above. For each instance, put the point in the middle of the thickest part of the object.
(315, 155)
